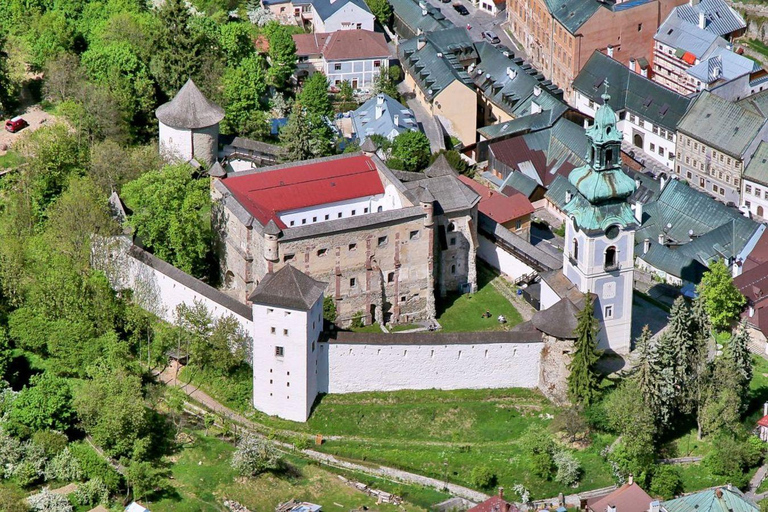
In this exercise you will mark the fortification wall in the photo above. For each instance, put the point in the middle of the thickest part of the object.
(428, 361)
(501, 260)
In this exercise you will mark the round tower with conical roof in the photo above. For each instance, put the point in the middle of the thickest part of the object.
(189, 126)
(600, 231)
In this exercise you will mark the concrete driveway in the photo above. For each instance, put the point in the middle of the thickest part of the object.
(480, 21)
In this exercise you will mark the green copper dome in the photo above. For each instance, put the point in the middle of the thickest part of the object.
(603, 187)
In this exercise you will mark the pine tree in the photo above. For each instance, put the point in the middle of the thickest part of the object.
(647, 371)
(179, 50)
(584, 379)
(741, 361)
(305, 136)
(666, 380)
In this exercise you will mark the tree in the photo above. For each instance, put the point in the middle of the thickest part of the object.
(178, 52)
(721, 404)
(47, 404)
(722, 300)
(410, 151)
(46, 501)
(635, 453)
(171, 216)
(64, 467)
(235, 40)
(568, 467)
(12, 500)
(386, 82)
(144, 478)
(666, 482)
(257, 14)
(571, 422)
(329, 309)
(539, 447)
(381, 9)
(584, 379)
(91, 493)
(741, 360)
(244, 88)
(482, 477)
(305, 136)
(282, 54)
(8, 87)
(255, 455)
(647, 372)
(314, 96)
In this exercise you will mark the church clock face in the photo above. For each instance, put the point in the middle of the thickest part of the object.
(612, 232)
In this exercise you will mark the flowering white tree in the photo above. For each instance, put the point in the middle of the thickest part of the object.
(255, 455)
(47, 501)
(258, 15)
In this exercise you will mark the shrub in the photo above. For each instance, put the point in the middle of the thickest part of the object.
(32, 467)
(46, 501)
(357, 320)
(254, 456)
(92, 493)
(50, 441)
(538, 444)
(11, 454)
(301, 442)
(93, 466)
(482, 477)
(329, 310)
(666, 482)
(64, 467)
(568, 467)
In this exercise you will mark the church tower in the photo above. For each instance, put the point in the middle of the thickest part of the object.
(600, 231)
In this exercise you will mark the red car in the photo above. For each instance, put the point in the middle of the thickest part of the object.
(16, 124)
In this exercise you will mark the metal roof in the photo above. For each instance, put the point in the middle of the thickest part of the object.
(366, 122)
(419, 16)
(572, 14)
(722, 64)
(757, 170)
(724, 125)
(630, 91)
(531, 122)
(720, 499)
(719, 17)
(324, 9)
(680, 34)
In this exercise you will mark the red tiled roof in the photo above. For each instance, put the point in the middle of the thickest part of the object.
(763, 422)
(627, 498)
(343, 45)
(515, 151)
(759, 254)
(307, 184)
(498, 206)
(753, 283)
(494, 504)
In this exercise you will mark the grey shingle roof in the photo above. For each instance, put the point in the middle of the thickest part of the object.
(572, 14)
(722, 64)
(288, 288)
(255, 145)
(681, 35)
(531, 122)
(450, 193)
(757, 170)
(366, 123)
(630, 91)
(559, 320)
(325, 8)
(216, 170)
(189, 109)
(410, 14)
(727, 126)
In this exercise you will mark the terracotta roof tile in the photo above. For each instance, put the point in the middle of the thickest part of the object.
(497, 206)
(343, 45)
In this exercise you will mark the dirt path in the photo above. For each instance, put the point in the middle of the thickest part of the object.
(168, 376)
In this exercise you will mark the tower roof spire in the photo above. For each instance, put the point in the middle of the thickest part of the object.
(605, 95)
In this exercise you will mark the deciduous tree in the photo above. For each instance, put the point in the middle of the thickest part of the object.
(178, 49)
(722, 299)
(381, 9)
(314, 96)
(244, 88)
(282, 54)
(410, 151)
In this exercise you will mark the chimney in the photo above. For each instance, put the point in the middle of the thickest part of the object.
(631, 479)
(655, 506)
(702, 20)
(719, 493)
(396, 119)
(639, 213)
(661, 238)
(730, 487)
(632, 63)
(644, 72)
(511, 73)
(609, 50)
(646, 245)
(610, 508)
(568, 196)
(535, 108)
(662, 181)
(422, 42)
(765, 409)
(586, 124)
(501, 493)
(536, 90)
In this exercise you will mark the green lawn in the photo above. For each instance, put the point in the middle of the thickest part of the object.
(464, 313)
(10, 159)
(758, 46)
(404, 327)
(203, 478)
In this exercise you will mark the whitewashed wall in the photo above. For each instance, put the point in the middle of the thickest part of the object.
(501, 260)
(356, 367)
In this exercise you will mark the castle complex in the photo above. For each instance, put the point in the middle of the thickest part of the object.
(383, 244)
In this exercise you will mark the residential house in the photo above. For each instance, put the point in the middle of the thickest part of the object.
(753, 285)
(355, 56)
(333, 15)
(380, 115)
(495, 503)
(712, 500)
(508, 88)
(492, 6)
(755, 183)
(560, 36)
(435, 72)
(629, 497)
(716, 139)
(691, 50)
(412, 18)
(511, 211)
(531, 161)
(648, 112)
(762, 424)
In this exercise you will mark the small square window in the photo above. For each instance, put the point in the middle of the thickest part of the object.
(608, 312)
(391, 277)
(327, 216)
(285, 332)
(288, 257)
(365, 210)
(293, 222)
(279, 351)
(303, 221)
(376, 63)
(414, 235)
(272, 330)
(314, 219)
(403, 298)
(453, 240)
(270, 311)
(382, 241)
(352, 247)
(339, 214)
(354, 212)
(352, 282)
(337, 67)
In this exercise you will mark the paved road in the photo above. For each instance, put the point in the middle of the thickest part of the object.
(480, 21)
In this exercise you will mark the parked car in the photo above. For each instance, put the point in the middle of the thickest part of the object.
(491, 37)
(446, 1)
(460, 9)
(16, 124)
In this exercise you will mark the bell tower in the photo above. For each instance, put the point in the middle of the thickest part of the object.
(600, 231)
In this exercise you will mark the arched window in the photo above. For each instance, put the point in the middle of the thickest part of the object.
(610, 258)
(575, 251)
(608, 156)
(451, 227)
(453, 269)
(760, 211)
(380, 209)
